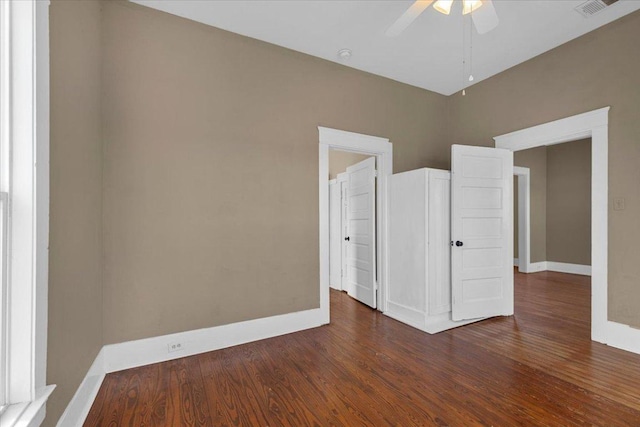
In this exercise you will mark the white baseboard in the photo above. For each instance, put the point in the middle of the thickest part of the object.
(79, 406)
(142, 352)
(563, 267)
(536, 267)
(560, 267)
(419, 320)
(623, 337)
(516, 262)
(131, 354)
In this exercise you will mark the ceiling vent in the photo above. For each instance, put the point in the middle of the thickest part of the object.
(592, 7)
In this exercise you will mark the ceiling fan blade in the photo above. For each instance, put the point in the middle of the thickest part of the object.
(485, 18)
(408, 17)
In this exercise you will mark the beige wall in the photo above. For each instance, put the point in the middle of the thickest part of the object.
(536, 160)
(591, 72)
(340, 160)
(75, 258)
(569, 202)
(211, 168)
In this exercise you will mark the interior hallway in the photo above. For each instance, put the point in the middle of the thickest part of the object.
(538, 367)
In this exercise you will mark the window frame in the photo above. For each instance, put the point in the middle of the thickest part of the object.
(24, 177)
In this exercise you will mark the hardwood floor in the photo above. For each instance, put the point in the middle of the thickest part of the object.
(538, 367)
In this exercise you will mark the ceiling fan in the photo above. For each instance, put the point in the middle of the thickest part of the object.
(482, 12)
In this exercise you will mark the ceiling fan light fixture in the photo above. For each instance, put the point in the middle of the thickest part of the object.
(443, 6)
(469, 6)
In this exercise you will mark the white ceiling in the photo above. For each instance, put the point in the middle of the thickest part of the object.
(428, 54)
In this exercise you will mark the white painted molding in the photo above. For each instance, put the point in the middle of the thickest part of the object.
(24, 175)
(516, 262)
(594, 124)
(536, 267)
(623, 336)
(363, 144)
(78, 408)
(355, 141)
(524, 218)
(28, 414)
(131, 354)
(142, 352)
(563, 267)
(564, 130)
(560, 267)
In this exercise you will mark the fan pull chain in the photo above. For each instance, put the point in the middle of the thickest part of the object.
(464, 62)
(471, 46)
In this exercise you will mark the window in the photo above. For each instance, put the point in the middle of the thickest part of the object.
(24, 209)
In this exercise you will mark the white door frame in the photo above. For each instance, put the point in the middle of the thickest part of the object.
(594, 125)
(524, 218)
(363, 144)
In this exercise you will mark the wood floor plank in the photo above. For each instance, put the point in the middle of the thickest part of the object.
(536, 368)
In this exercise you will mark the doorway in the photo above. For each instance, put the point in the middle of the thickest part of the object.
(352, 213)
(382, 150)
(592, 125)
(554, 198)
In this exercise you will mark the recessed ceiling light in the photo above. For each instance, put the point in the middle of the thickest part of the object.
(344, 54)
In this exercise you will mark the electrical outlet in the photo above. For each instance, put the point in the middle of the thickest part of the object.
(176, 346)
(619, 204)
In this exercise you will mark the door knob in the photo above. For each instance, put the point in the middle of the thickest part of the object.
(347, 238)
(458, 243)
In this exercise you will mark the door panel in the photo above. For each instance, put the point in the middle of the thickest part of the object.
(335, 242)
(361, 226)
(342, 181)
(481, 232)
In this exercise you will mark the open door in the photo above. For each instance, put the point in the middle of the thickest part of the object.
(481, 232)
(361, 226)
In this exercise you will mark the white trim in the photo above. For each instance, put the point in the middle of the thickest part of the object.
(516, 262)
(42, 174)
(564, 130)
(131, 354)
(623, 336)
(536, 267)
(146, 351)
(563, 267)
(28, 414)
(78, 408)
(432, 324)
(524, 218)
(594, 124)
(364, 144)
(25, 142)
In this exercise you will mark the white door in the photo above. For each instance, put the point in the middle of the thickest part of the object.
(335, 239)
(481, 232)
(361, 227)
(342, 181)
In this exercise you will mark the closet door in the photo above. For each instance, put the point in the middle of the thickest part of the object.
(481, 232)
(361, 223)
(335, 240)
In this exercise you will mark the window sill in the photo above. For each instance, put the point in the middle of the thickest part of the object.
(29, 414)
